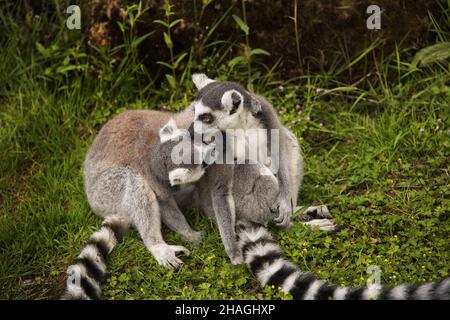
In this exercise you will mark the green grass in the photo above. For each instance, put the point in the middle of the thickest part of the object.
(377, 153)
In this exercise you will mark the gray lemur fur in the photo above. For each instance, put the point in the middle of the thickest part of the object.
(222, 105)
(128, 182)
(126, 174)
(131, 179)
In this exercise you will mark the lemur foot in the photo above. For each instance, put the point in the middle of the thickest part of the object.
(318, 216)
(195, 237)
(165, 255)
(322, 224)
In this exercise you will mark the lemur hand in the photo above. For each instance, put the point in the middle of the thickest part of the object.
(283, 220)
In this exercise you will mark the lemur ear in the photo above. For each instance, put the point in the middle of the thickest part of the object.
(169, 131)
(231, 100)
(200, 80)
(255, 106)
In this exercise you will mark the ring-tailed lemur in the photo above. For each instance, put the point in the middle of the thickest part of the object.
(131, 179)
(125, 182)
(266, 261)
(223, 105)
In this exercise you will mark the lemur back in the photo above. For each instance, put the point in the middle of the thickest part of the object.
(255, 190)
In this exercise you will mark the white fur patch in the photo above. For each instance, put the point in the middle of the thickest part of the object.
(268, 270)
(73, 285)
(398, 293)
(200, 108)
(423, 292)
(183, 176)
(200, 80)
(105, 235)
(313, 289)
(170, 131)
(253, 235)
(340, 293)
(227, 99)
(90, 252)
(260, 250)
(289, 281)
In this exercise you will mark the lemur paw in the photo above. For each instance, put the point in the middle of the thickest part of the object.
(166, 255)
(318, 216)
(195, 237)
(283, 220)
(315, 212)
(322, 224)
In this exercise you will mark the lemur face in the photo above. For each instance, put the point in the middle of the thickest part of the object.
(220, 104)
(184, 160)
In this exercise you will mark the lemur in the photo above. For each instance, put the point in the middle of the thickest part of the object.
(223, 105)
(265, 260)
(128, 191)
(131, 180)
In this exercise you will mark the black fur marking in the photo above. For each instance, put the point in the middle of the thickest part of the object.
(89, 289)
(116, 229)
(92, 269)
(250, 245)
(354, 293)
(102, 248)
(410, 291)
(278, 277)
(301, 285)
(236, 102)
(326, 292)
(384, 293)
(258, 261)
(433, 291)
(207, 118)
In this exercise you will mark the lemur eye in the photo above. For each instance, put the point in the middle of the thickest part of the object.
(206, 118)
(236, 100)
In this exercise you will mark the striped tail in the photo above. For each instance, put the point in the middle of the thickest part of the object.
(88, 271)
(265, 259)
